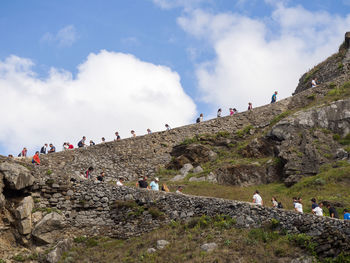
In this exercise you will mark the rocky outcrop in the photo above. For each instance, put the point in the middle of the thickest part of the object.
(24, 215)
(48, 230)
(306, 140)
(62, 246)
(16, 175)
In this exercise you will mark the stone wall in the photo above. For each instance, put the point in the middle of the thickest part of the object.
(143, 155)
(99, 208)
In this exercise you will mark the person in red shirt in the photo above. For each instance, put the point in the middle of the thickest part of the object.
(36, 159)
(70, 146)
(24, 152)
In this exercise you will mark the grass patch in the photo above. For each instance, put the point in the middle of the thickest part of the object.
(280, 117)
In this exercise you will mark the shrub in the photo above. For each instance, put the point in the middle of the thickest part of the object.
(311, 97)
(280, 117)
(263, 235)
(340, 65)
(224, 134)
(19, 258)
(91, 242)
(80, 239)
(188, 141)
(125, 204)
(49, 172)
(155, 212)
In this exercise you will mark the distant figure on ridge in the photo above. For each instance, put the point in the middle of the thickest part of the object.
(155, 184)
(133, 133)
(274, 97)
(149, 131)
(257, 198)
(333, 213)
(219, 113)
(231, 111)
(250, 106)
(70, 146)
(81, 143)
(36, 159)
(43, 149)
(167, 127)
(117, 137)
(314, 83)
(24, 152)
(103, 140)
(92, 143)
(52, 148)
(200, 118)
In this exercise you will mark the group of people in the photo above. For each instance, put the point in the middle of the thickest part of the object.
(316, 209)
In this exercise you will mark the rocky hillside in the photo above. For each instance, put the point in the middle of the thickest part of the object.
(297, 146)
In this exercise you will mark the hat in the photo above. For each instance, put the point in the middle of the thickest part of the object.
(156, 179)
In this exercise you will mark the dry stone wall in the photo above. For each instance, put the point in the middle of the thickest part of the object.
(100, 208)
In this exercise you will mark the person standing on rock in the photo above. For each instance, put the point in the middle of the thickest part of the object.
(314, 83)
(103, 140)
(117, 137)
(149, 131)
(257, 198)
(250, 106)
(231, 111)
(219, 113)
(346, 214)
(318, 210)
(274, 97)
(133, 133)
(24, 152)
(52, 148)
(167, 127)
(43, 149)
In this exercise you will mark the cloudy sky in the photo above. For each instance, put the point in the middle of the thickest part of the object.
(74, 68)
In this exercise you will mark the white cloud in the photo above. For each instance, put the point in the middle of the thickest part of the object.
(65, 37)
(253, 58)
(111, 92)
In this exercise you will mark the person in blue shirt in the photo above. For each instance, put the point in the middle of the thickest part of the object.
(346, 214)
(154, 184)
(274, 97)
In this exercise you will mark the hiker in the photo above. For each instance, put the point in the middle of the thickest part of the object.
(155, 184)
(167, 127)
(219, 113)
(314, 83)
(346, 214)
(103, 140)
(257, 198)
(10, 156)
(332, 211)
(81, 143)
(101, 176)
(274, 97)
(318, 210)
(88, 172)
(52, 148)
(133, 133)
(43, 149)
(165, 188)
(200, 118)
(250, 106)
(92, 143)
(142, 183)
(274, 202)
(70, 146)
(149, 131)
(117, 137)
(36, 159)
(65, 146)
(298, 205)
(231, 111)
(235, 111)
(24, 152)
(313, 204)
(120, 181)
(179, 190)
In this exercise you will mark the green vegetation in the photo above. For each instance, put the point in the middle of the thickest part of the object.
(256, 245)
(311, 97)
(244, 131)
(338, 93)
(49, 172)
(280, 117)
(310, 74)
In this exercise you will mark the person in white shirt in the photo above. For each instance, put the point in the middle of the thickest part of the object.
(314, 83)
(120, 181)
(318, 210)
(298, 206)
(257, 198)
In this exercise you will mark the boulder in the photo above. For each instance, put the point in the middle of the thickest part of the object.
(23, 214)
(47, 231)
(197, 170)
(55, 255)
(195, 179)
(258, 148)
(211, 177)
(2, 197)
(186, 168)
(178, 177)
(162, 244)
(17, 176)
(151, 250)
(208, 247)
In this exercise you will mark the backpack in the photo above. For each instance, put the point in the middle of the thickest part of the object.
(80, 144)
(198, 120)
(279, 205)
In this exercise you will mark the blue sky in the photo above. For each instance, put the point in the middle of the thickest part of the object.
(94, 67)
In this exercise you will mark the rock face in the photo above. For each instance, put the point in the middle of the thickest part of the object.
(23, 213)
(16, 175)
(306, 140)
(193, 153)
(48, 229)
(55, 255)
(347, 40)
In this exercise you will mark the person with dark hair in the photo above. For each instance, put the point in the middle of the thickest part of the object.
(103, 140)
(133, 133)
(333, 213)
(120, 181)
(149, 131)
(167, 127)
(250, 106)
(274, 202)
(318, 210)
(117, 137)
(92, 143)
(142, 183)
(219, 113)
(52, 148)
(274, 97)
(179, 190)
(43, 149)
(101, 177)
(89, 172)
(298, 205)
(257, 198)
(346, 214)
(24, 152)
(200, 118)
(81, 143)
(313, 205)
(36, 159)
